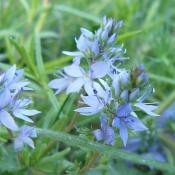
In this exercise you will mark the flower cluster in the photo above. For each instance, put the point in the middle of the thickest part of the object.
(13, 105)
(106, 87)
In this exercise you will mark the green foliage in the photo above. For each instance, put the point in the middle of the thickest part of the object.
(33, 34)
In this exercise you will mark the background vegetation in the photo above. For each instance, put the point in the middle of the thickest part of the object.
(33, 34)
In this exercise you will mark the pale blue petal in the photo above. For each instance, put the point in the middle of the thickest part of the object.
(91, 86)
(4, 98)
(18, 85)
(98, 134)
(124, 134)
(124, 95)
(18, 144)
(110, 136)
(133, 95)
(26, 131)
(82, 43)
(59, 84)
(147, 108)
(94, 47)
(7, 120)
(116, 122)
(112, 38)
(124, 110)
(29, 112)
(22, 116)
(87, 33)
(29, 142)
(146, 94)
(116, 86)
(135, 124)
(124, 77)
(99, 69)
(9, 75)
(103, 121)
(74, 71)
(74, 54)
(88, 110)
(104, 34)
(75, 86)
(91, 100)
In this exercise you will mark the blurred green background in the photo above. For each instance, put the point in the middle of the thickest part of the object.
(33, 34)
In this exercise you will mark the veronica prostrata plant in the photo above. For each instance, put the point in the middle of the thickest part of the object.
(98, 72)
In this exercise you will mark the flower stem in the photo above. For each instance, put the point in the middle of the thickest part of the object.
(89, 163)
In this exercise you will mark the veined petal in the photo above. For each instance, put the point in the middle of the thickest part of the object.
(4, 98)
(29, 142)
(91, 100)
(90, 87)
(7, 120)
(94, 46)
(98, 134)
(135, 124)
(59, 84)
(124, 110)
(18, 144)
(116, 122)
(26, 131)
(88, 110)
(82, 43)
(75, 86)
(124, 77)
(99, 69)
(116, 86)
(9, 75)
(22, 116)
(110, 136)
(74, 71)
(28, 112)
(74, 54)
(87, 33)
(18, 85)
(146, 94)
(147, 108)
(124, 134)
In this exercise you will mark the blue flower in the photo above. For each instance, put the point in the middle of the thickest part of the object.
(97, 100)
(125, 119)
(11, 79)
(106, 133)
(24, 137)
(104, 86)
(19, 109)
(76, 77)
(11, 87)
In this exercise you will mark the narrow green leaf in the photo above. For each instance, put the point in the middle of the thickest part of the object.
(42, 72)
(23, 53)
(78, 13)
(151, 13)
(104, 149)
(128, 34)
(39, 59)
(162, 79)
(55, 156)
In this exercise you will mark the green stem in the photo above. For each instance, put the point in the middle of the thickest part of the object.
(90, 163)
(104, 149)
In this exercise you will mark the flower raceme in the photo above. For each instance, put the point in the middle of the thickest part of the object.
(106, 87)
(12, 103)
